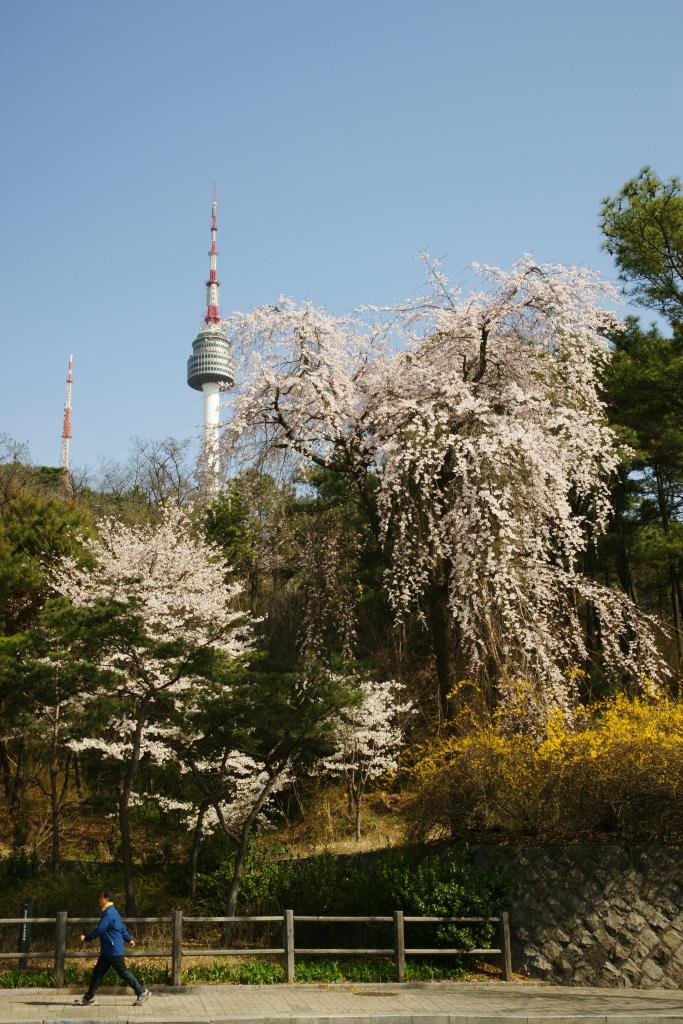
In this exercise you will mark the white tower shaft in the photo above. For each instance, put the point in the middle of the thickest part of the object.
(210, 433)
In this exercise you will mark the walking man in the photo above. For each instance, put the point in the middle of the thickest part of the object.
(112, 934)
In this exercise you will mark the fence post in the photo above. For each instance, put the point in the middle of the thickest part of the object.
(60, 948)
(507, 951)
(288, 944)
(25, 931)
(176, 947)
(399, 946)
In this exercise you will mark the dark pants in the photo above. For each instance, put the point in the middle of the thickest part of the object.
(117, 963)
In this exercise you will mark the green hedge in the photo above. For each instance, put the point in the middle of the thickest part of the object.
(419, 882)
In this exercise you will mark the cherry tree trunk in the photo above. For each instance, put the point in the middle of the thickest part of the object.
(6, 769)
(623, 563)
(19, 781)
(126, 853)
(55, 810)
(55, 801)
(443, 635)
(196, 844)
(125, 790)
(242, 846)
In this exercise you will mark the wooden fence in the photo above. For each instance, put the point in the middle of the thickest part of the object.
(398, 951)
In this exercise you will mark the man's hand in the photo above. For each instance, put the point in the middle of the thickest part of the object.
(132, 942)
(82, 938)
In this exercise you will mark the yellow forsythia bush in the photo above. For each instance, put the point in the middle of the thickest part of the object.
(616, 773)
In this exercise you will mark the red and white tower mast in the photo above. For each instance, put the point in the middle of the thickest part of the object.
(213, 286)
(210, 368)
(65, 460)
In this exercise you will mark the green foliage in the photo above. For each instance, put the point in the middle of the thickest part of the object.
(644, 393)
(644, 388)
(34, 530)
(222, 972)
(250, 506)
(423, 883)
(306, 553)
(272, 713)
(38, 979)
(643, 228)
(249, 972)
(19, 865)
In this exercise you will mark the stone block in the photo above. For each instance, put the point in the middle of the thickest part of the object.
(565, 971)
(612, 923)
(668, 983)
(635, 921)
(552, 950)
(648, 938)
(573, 954)
(663, 956)
(537, 963)
(639, 952)
(611, 976)
(629, 969)
(657, 920)
(652, 970)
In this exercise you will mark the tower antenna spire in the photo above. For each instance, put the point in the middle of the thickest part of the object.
(213, 287)
(65, 460)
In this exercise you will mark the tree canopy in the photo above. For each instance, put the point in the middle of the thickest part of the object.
(643, 229)
(472, 429)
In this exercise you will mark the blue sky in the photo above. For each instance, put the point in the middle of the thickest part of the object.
(344, 138)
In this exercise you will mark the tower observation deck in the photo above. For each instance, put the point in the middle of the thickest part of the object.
(211, 367)
(211, 361)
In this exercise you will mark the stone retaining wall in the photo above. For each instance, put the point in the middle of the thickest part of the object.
(595, 915)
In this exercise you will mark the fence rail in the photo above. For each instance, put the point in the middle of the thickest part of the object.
(398, 950)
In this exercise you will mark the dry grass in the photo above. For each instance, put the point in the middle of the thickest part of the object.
(327, 825)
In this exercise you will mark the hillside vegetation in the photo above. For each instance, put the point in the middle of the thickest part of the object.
(437, 597)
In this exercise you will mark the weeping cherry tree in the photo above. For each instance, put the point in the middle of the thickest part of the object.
(473, 429)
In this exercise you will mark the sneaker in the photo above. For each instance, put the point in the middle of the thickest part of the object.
(143, 997)
(85, 1001)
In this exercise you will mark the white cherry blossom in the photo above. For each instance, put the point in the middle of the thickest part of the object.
(473, 427)
(369, 739)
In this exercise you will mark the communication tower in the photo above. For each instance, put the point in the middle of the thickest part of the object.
(211, 366)
(65, 460)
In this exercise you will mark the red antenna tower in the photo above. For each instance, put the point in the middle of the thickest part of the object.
(213, 284)
(66, 430)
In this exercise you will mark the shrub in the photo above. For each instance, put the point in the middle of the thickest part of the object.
(19, 865)
(617, 773)
(419, 882)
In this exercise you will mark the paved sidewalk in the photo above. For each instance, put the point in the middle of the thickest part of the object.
(426, 1003)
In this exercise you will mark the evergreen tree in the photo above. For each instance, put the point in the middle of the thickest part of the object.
(644, 387)
(643, 228)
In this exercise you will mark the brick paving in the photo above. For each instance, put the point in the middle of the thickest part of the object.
(427, 1003)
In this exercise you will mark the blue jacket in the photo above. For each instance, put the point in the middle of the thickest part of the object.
(112, 933)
